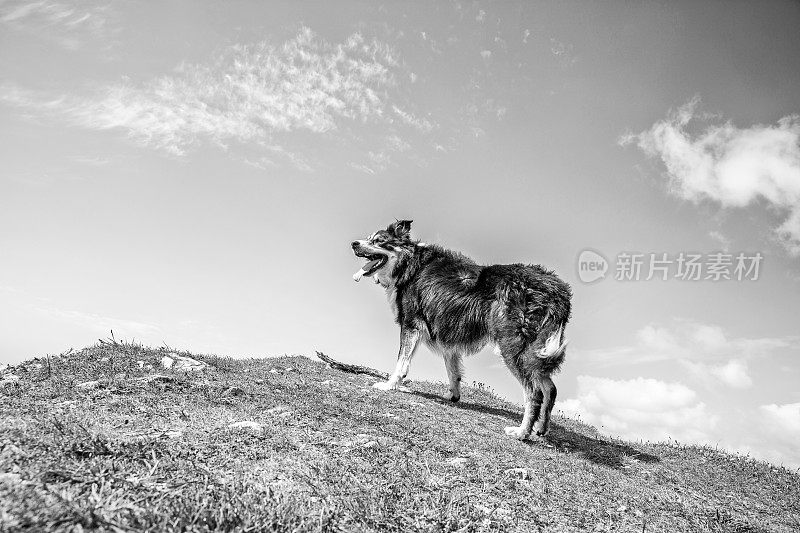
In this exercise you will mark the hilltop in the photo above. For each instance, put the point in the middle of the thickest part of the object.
(121, 437)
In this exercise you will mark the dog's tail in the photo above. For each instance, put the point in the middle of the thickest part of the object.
(555, 345)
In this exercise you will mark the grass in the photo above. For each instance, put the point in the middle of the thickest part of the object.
(145, 448)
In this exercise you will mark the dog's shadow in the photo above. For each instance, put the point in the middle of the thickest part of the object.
(595, 449)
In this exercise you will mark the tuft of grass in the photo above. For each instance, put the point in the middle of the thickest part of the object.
(107, 439)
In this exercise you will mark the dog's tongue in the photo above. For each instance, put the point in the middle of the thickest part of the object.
(364, 269)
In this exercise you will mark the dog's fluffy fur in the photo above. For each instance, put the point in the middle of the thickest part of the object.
(457, 307)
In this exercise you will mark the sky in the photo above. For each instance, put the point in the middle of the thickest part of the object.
(191, 174)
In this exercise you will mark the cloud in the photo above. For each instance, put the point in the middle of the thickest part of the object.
(774, 434)
(785, 418)
(649, 409)
(68, 24)
(704, 349)
(734, 373)
(733, 167)
(641, 408)
(247, 95)
(98, 323)
(724, 242)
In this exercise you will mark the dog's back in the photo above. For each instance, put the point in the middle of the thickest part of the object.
(460, 303)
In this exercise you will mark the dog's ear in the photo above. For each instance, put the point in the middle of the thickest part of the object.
(400, 229)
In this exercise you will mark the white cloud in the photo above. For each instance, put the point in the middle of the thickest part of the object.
(641, 408)
(723, 241)
(248, 94)
(703, 349)
(654, 410)
(734, 167)
(67, 23)
(98, 323)
(785, 418)
(774, 434)
(734, 373)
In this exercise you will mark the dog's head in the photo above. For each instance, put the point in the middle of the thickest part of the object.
(382, 250)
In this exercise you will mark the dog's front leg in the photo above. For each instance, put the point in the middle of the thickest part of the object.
(408, 345)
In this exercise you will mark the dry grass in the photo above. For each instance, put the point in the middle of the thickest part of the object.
(332, 454)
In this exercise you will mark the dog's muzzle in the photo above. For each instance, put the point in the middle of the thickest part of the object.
(374, 263)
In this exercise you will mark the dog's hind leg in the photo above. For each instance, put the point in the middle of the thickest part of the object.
(548, 399)
(408, 345)
(452, 361)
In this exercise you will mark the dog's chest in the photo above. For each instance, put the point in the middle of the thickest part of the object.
(391, 295)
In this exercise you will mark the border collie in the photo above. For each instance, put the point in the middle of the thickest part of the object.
(457, 307)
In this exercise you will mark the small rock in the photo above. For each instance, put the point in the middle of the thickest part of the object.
(248, 425)
(88, 385)
(9, 477)
(9, 379)
(167, 362)
(187, 364)
(519, 473)
(233, 391)
(156, 378)
(458, 462)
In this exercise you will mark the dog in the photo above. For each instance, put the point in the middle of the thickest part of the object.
(457, 307)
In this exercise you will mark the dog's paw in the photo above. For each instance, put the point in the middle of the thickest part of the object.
(540, 430)
(452, 397)
(516, 432)
(384, 385)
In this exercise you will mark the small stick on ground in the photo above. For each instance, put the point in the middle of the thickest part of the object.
(355, 369)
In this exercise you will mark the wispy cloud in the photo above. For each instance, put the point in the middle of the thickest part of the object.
(92, 161)
(248, 94)
(706, 351)
(97, 323)
(734, 374)
(733, 167)
(69, 24)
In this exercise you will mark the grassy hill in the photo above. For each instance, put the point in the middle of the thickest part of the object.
(106, 438)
